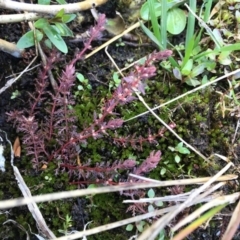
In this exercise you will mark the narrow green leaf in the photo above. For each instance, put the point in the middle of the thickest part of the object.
(163, 28)
(154, 22)
(150, 34)
(190, 23)
(63, 29)
(68, 17)
(188, 50)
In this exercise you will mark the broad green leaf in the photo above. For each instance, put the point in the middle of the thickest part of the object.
(41, 23)
(68, 17)
(176, 21)
(55, 38)
(44, 2)
(27, 40)
(144, 12)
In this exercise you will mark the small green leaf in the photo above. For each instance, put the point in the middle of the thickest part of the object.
(80, 87)
(27, 40)
(176, 21)
(66, 18)
(41, 23)
(129, 227)
(177, 159)
(151, 208)
(116, 79)
(186, 70)
(182, 149)
(158, 203)
(60, 14)
(198, 70)
(163, 171)
(193, 82)
(80, 77)
(90, 186)
(171, 148)
(161, 235)
(140, 226)
(151, 193)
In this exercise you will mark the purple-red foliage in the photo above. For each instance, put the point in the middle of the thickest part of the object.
(137, 142)
(49, 124)
(44, 136)
(104, 172)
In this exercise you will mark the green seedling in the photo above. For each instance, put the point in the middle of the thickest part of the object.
(179, 149)
(15, 94)
(176, 18)
(83, 84)
(50, 31)
(66, 225)
(114, 83)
